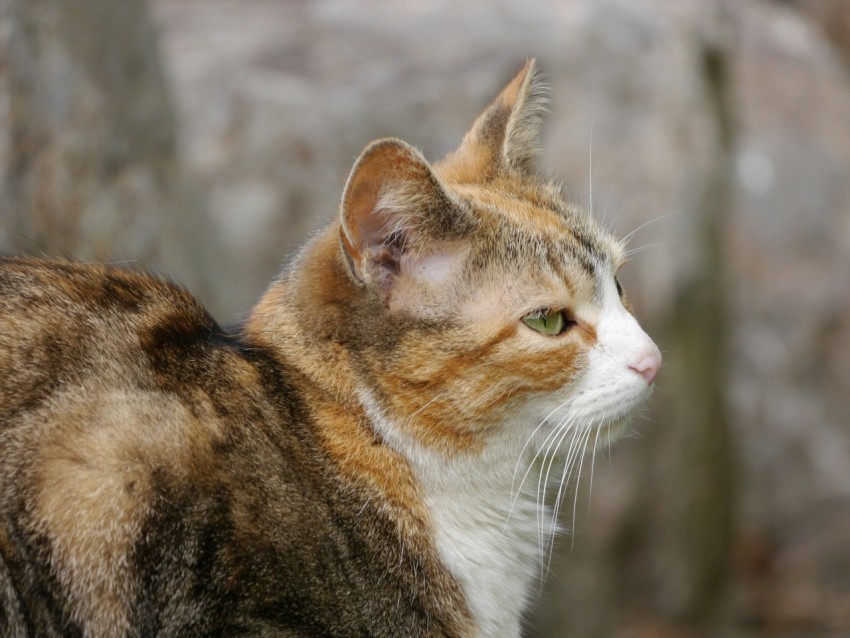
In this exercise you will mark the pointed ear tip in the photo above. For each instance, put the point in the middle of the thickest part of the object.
(533, 74)
(527, 81)
(530, 69)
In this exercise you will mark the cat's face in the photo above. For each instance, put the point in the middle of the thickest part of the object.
(497, 301)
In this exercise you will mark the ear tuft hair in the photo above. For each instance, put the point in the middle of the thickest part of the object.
(506, 136)
(522, 134)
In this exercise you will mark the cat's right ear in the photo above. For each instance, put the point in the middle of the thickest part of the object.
(393, 206)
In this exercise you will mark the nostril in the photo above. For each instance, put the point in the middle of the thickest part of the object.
(648, 365)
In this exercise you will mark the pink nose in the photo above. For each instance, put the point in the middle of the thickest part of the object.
(647, 365)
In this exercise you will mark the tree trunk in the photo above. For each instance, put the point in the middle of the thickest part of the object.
(693, 471)
(93, 170)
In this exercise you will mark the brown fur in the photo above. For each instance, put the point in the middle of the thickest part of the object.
(161, 476)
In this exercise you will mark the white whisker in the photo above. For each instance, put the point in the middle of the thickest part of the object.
(625, 240)
(531, 463)
(590, 172)
(569, 466)
(531, 436)
(437, 396)
(543, 481)
(592, 467)
(569, 463)
(639, 249)
(605, 209)
(578, 484)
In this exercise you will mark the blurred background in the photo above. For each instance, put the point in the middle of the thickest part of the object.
(205, 139)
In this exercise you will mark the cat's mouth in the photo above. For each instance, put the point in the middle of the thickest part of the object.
(604, 426)
(611, 412)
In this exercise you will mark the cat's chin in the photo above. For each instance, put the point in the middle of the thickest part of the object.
(614, 431)
(614, 428)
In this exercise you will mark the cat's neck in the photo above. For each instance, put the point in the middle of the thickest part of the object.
(486, 521)
(297, 319)
(488, 537)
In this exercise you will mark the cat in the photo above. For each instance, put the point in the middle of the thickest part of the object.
(358, 457)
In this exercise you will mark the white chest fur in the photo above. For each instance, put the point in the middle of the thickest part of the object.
(486, 519)
(490, 547)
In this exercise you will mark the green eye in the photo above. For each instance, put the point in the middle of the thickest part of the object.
(548, 322)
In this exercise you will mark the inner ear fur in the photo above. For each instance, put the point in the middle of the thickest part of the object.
(506, 136)
(393, 204)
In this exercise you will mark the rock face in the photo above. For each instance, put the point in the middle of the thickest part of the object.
(275, 99)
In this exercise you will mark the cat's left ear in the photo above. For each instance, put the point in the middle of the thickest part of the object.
(393, 207)
(506, 136)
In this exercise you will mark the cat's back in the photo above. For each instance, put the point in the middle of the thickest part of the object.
(103, 369)
(66, 325)
(94, 347)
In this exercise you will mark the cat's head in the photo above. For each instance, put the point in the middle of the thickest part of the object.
(481, 300)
